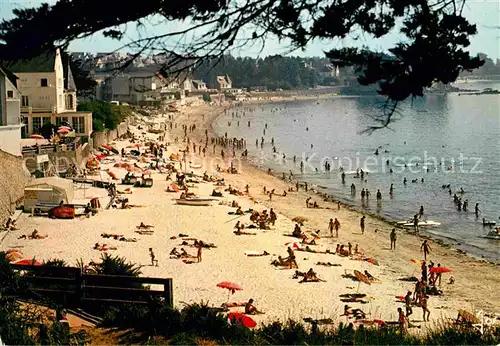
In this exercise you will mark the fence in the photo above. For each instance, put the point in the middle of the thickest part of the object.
(49, 148)
(69, 286)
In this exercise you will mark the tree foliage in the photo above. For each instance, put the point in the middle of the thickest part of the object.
(104, 114)
(272, 72)
(433, 34)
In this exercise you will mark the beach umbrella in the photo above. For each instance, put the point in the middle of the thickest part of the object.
(242, 319)
(440, 270)
(230, 286)
(63, 131)
(28, 262)
(293, 244)
(312, 234)
(417, 262)
(372, 261)
(66, 128)
(37, 136)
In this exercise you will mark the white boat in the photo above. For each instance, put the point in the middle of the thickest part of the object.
(194, 201)
(421, 223)
(495, 234)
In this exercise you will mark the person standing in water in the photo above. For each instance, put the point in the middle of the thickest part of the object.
(476, 210)
(421, 211)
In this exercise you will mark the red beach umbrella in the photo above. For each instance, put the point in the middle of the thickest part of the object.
(440, 270)
(293, 244)
(416, 261)
(230, 286)
(37, 136)
(244, 320)
(66, 127)
(28, 262)
(63, 131)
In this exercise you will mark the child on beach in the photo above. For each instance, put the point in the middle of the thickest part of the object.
(152, 255)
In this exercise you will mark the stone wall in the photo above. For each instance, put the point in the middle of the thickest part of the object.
(108, 136)
(13, 179)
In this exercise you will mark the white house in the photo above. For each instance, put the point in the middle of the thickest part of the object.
(10, 113)
(48, 94)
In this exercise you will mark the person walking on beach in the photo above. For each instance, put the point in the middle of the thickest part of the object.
(336, 225)
(393, 239)
(425, 309)
(409, 310)
(330, 227)
(415, 223)
(426, 249)
(272, 216)
(198, 254)
(403, 320)
(362, 224)
(153, 257)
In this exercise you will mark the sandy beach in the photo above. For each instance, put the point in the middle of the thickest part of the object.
(272, 288)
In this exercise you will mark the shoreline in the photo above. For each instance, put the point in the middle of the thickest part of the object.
(445, 250)
(332, 198)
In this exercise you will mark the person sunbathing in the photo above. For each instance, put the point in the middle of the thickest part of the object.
(298, 274)
(142, 225)
(297, 232)
(175, 253)
(356, 313)
(10, 225)
(128, 240)
(239, 232)
(239, 211)
(369, 276)
(305, 240)
(33, 235)
(250, 309)
(279, 262)
(311, 276)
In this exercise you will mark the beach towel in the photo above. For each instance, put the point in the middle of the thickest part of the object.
(189, 261)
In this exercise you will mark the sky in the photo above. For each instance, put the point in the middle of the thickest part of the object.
(484, 13)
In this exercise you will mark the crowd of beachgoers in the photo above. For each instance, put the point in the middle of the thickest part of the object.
(183, 203)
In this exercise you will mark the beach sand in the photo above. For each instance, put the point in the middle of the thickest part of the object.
(274, 290)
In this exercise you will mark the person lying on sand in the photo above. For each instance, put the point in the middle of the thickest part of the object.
(103, 247)
(239, 211)
(250, 309)
(111, 235)
(145, 232)
(370, 276)
(128, 240)
(280, 262)
(298, 274)
(184, 254)
(143, 226)
(311, 276)
(356, 313)
(201, 243)
(33, 235)
(238, 232)
(328, 264)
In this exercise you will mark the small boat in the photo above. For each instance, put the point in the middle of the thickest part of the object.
(194, 201)
(62, 212)
(421, 223)
(493, 234)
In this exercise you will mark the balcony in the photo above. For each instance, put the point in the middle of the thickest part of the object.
(32, 110)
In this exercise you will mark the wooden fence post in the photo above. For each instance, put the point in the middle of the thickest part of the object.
(168, 293)
(78, 287)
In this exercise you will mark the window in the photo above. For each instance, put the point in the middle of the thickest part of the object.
(61, 120)
(10, 94)
(37, 124)
(78, 124)
(25, 101)
(45, 120)
(69, 102)
(44, 82)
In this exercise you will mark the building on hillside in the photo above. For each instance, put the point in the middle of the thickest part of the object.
(224, 82)
(48, 94)
(199, 85)
(10, 113)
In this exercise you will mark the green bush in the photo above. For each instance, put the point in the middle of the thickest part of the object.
(207, 98)
(105, 114)
(110, 265)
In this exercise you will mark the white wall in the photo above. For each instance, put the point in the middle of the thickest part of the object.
(10, 139)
